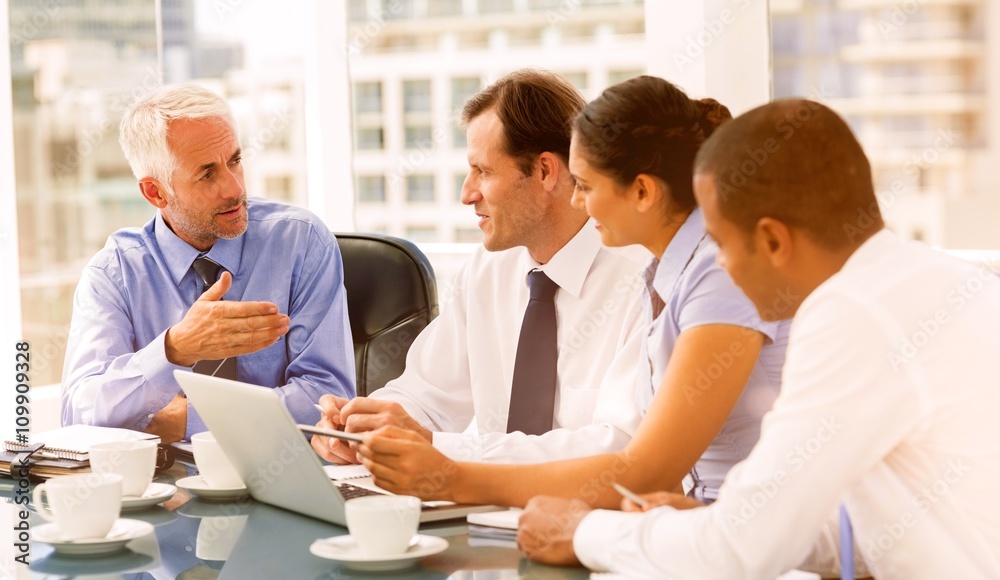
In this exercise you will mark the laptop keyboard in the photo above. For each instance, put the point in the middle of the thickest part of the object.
(349, 491)
(352, 491)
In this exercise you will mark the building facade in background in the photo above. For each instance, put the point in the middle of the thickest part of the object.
(919, 83)
(415, 63)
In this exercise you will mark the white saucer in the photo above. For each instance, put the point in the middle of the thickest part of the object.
(122, 532)
(197, 486)
(156, 493)
(345, 549)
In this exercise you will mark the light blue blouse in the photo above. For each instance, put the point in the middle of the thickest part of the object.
(685, 289)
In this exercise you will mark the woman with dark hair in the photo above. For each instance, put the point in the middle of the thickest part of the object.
(714, 367)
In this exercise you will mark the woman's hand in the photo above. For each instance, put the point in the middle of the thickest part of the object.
(404, 462)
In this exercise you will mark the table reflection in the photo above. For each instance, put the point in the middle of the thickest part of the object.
(196, 539)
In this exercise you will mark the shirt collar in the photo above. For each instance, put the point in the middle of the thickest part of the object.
(179, 255)
(678, 254)
(569, 267)
(877, 244)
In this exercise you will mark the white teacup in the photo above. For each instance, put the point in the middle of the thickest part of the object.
(83, 506)
(217, 535)
(135, 461)
(383, 525)
(212, 462)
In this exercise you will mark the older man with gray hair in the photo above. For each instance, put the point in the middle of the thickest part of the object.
(152, 300)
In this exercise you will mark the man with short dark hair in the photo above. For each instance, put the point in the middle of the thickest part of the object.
(578, 375)
(889, 397)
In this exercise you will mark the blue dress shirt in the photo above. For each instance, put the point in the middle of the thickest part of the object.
(685, 288)
(116, 372)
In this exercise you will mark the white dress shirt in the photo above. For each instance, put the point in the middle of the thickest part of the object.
(459, 369)
(888, 404)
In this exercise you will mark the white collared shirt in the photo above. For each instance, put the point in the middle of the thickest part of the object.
(888, 404)
(460, 368)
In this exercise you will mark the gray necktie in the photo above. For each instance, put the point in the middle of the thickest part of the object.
(533, 388)
(208, 271)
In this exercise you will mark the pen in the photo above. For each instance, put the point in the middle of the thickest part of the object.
(630, 495)
(318, 407)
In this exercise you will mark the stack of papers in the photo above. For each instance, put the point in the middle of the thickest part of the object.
(494, 525)
(66, 450)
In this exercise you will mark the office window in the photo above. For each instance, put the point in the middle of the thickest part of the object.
(358, 10)
(398, 9)
(494, 6)
(459, 182)
(369, 138)
(467, 43)
(546, 4)
(368, 97)
(859, 59)
(279, 187)
(420, 188)
(371, 188)
(468, 235)
(418, 137)
(462, 89)
(444, 7)
(422, 234)
(577, 79)
(416, 96)
(622, 75)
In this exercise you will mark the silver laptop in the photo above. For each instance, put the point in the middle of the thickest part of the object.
(273, 457)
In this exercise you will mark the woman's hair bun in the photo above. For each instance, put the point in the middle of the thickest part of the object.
(713, 114)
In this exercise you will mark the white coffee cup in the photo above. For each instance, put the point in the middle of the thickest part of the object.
(217, 535)
(383, 525)
(82, 506)
(212, 462)
(135, 461)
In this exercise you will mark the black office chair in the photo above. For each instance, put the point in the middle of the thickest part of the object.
(391, 297)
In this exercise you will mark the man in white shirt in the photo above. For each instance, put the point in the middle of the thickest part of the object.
(889, 397)
(459, 370)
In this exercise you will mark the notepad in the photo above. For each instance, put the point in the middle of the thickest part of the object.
(340, 472)
(506, 520)
(73, 442)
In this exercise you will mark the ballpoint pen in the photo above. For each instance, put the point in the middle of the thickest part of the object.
(630, 495)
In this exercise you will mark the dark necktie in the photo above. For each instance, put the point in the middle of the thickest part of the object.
(208, 271)
(533, 389)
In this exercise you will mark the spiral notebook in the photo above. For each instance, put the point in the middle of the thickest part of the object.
(73, 442)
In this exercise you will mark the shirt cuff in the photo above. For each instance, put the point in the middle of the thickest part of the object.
(594, 538)
(158, 376)
(459, 446)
